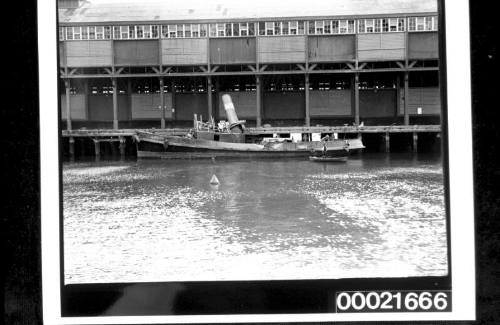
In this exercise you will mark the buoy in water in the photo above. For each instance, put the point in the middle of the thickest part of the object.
(214, 180)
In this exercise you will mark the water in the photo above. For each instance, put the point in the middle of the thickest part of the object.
(375, 216)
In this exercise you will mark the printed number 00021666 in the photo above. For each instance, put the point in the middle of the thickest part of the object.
(393, 301)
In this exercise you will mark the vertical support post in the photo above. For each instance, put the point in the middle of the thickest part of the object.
(209, 97)
(306, 89)
(415, 142)
(162, 103)
(68, 104)
(172, 89)
(122, 147)
(407, 97)
(72, 148)
(258, 86)
(387, 142)
(97, 148)
(398, 95)
(86, 98)
(115, 103)
(356, 98)
(217, 99)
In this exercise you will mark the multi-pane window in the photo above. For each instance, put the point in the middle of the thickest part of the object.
(331, 27)
(384, 25)
(182, 31)
(273, 28)
(429, 23)
(61, 33)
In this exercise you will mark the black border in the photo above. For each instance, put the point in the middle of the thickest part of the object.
(242, 297)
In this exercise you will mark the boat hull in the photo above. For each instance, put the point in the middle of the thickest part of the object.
(191, 148)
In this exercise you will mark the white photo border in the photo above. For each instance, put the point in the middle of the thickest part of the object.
(461, 206)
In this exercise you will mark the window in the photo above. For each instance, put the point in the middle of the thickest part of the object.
(277, 28)
(385, 25)
(393, 24)
(91, 32)
(69, 33)
(411, 23)
(195, 30)
(99, 32)
(328, 27)
(180, 30)
(107, 32)
(428, 23)
(284, 27)
(220, 30)
(229, 29)
(203, 30)
(293, 27)
(124, 32)
(172, 31)
(154, 31)
(301, 28)
(187, 30)
(77, 33)
(243, 29)
(213, 30)
(350, 26)
(269, 28)
(116, 32)
(343, 27)
(61, 33)
(361, 26)
(420, 23)
(378, 25)
(319, 26)
(370, 25)
(401, 24)
(262, 28)
(251, 29)
(311, 27)
(147, 31)
(131, 32)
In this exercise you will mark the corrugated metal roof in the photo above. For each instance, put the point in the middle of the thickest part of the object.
(103, 11)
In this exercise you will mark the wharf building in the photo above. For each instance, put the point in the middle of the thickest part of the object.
(155, 65)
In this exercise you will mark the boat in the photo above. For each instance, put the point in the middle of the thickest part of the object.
(229, 139)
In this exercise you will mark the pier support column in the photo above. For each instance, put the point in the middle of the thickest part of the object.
(209, 97)
(356, 99)
(122, 146)
(306, 89)
(115, 103)
(398, 95)
(387, 142)
(162, 104)
(258, 100)
(72, 148)
(172, 90)
(97, 148)
(415, 142)
(407, 98)
(68, 104)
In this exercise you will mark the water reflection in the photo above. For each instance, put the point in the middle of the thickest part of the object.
(378, 215)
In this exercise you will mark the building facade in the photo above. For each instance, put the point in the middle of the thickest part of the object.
(138, 65)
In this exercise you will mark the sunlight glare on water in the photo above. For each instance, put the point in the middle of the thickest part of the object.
(135, 221)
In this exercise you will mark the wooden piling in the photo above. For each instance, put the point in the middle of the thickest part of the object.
(307, 110)
(97, 148)
(122, 146)
(415, 142)
(72, 147)
(258, 100)
(356, 99)
(162, 103)
(387, 142)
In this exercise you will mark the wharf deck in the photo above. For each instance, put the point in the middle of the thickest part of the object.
(97, 133)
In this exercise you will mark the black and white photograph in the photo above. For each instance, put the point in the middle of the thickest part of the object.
(221, 144)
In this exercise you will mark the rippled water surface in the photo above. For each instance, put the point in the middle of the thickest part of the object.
(375, 216)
